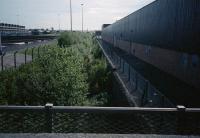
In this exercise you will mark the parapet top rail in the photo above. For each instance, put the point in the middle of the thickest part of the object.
(114, 120)
(82, 109)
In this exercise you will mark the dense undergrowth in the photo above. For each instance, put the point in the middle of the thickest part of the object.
(70, 73)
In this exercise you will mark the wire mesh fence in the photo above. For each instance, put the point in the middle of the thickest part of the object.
(146, 95)
(112, 120)
(14, 60)
(22, 122)
(109, 123)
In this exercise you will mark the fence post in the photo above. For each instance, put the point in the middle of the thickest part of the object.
(181, 122)
(120, 60)
(38, 52)
(163, 100)
(111, 53)
(15, 61)
(44, 49)
(145, 93)
(114, 57)
(129, 72)
(26, 56)
(123, 63)
(2, 68)
(49, 117)
(32, 53)
(136, 80)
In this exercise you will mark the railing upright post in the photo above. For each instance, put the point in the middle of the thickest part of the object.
(163, 100)
(129, 72)
(181, 122)
(145, 94)
(136, 80)
(116, 58)
(123, 63)
(120, 60)
(15, 61)
(49, 117)
(111, 54)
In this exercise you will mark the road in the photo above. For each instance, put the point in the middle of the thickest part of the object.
(8, 59)
(10, 48)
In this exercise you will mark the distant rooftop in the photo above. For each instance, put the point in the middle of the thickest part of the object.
(11, 25)
(105, 25)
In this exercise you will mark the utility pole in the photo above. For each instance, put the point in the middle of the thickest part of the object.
(71, 15)
(82, 16)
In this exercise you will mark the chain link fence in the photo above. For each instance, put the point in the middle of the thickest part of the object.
(112, 120)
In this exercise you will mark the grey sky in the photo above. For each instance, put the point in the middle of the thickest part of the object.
(47, 13)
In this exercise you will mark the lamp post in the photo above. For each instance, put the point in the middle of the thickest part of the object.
(59, 22)
(82, 16)
(1, 50)
(71, 15)
(17, 15)
(17, 30)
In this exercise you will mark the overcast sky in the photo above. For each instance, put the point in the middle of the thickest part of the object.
(48, 13)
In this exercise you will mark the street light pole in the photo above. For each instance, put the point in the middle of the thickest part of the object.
(82, 16)
(71, 14)
(1, 49)
(17, 31)
(17, 19)
(59, 22)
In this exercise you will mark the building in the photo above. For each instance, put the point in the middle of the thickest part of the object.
(9, 29)
(98, 34)
(163, 37)
(105, 25)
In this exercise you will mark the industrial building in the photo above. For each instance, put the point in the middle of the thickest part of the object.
(9, 29)
(163, 37)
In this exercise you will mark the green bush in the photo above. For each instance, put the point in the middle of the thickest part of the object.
(69, 38)
(73, 73)
(57, 77)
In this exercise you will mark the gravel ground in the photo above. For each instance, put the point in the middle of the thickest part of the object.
(89, 136)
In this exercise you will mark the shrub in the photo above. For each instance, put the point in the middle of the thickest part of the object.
(72, 74)
(57, 77)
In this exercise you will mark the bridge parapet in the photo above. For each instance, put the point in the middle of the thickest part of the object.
(110, 120)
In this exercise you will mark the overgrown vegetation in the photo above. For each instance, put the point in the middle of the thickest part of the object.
(72, 73)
